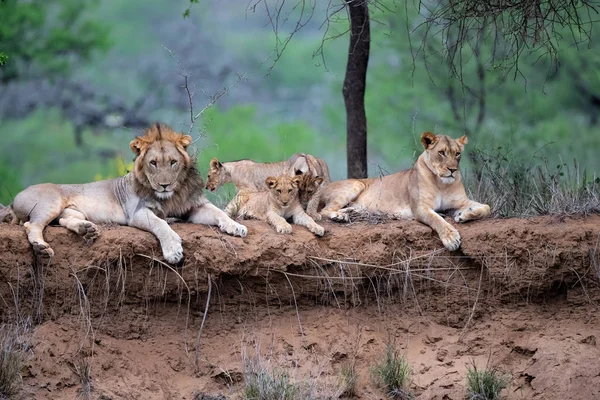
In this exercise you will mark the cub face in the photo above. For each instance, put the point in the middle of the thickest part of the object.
(443, 154)
(283, 190)
(309, 184)
(216, 175)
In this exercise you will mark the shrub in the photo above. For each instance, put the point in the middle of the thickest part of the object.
(393, 374)
(485, 384)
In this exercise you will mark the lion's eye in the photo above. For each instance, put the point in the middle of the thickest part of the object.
(278, 190)
(173, 162)
(310, 192)
(442, 153)
(289, 190)
(457, 154)
(153, 163)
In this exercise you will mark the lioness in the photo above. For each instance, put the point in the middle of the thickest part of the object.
(274, 206)
(433, 184)
(248, 174)
(165, 183)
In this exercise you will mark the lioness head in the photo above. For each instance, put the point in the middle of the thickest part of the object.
(308, 186)
(161, 157)
(442, 155)
(216, 175)
(283, 190)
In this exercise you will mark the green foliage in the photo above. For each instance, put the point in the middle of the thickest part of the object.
(47, 37)
(3, 58)
(485, 384)
(393, 374)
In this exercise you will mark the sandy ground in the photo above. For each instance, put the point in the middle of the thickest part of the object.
(522, 295)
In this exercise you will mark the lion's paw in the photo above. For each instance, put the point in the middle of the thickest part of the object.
(317, 230)
(451, 239)
(88, 231)
(42, 250)
(233, 228)
(172, 249)
(315, 216)
(287, 228)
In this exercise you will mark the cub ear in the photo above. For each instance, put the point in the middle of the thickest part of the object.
(462, 140)
(296, 181)
(271, 182)
(185, 141)
(215, 164)
(428, 139)
(318, 180)
(136, 145)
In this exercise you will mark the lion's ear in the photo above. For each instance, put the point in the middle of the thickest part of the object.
(215, 164)
(136, 145)
(428, 139)
(462, 140)
(271, 182)
(185, 141)
(296, 181)
(318, 180)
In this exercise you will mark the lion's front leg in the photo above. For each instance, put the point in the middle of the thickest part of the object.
(170, 242)
(302, 218)
(472, 211)
(447, 233)
(280, 224)
(209, 214)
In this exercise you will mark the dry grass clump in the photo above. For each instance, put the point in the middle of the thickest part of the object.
(13, 352)
(393, 374)
(514, 188)
(349, 379)
(485, 384)
(261, 382)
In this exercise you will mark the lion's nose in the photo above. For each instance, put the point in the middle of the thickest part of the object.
(452, 170)
(164, 186)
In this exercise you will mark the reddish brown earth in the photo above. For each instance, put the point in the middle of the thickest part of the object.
(521, 294)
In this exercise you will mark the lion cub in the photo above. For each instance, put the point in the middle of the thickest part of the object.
(274, 206)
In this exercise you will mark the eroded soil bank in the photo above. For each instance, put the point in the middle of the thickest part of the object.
(521, 293)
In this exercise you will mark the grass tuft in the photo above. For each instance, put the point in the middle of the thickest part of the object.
(393, 374)
(514, 188)
(13, 350)
(485, 384)
(349, 379)
(263, 383)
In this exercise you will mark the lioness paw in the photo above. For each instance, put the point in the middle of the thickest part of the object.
(315, 216)
(337, 216)
(88, 231)
(233, 228)
(287, 228)
(451, 239)
(42, 250)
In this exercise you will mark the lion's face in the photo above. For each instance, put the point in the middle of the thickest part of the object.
(442, 155)
(283, 190)
(309, 184)
(216, 175)
(161, 157)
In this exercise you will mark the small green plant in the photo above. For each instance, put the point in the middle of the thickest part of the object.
(393, 374)
(349, 379)
(485, 384)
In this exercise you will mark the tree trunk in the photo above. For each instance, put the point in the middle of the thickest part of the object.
(354, 88)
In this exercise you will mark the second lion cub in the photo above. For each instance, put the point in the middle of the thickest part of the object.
(274, 206)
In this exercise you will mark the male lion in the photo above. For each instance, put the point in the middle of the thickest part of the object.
(433, 184)
(276, 205)
(248, 174)
(165, 183)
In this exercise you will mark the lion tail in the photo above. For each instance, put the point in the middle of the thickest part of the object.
(7, 214)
